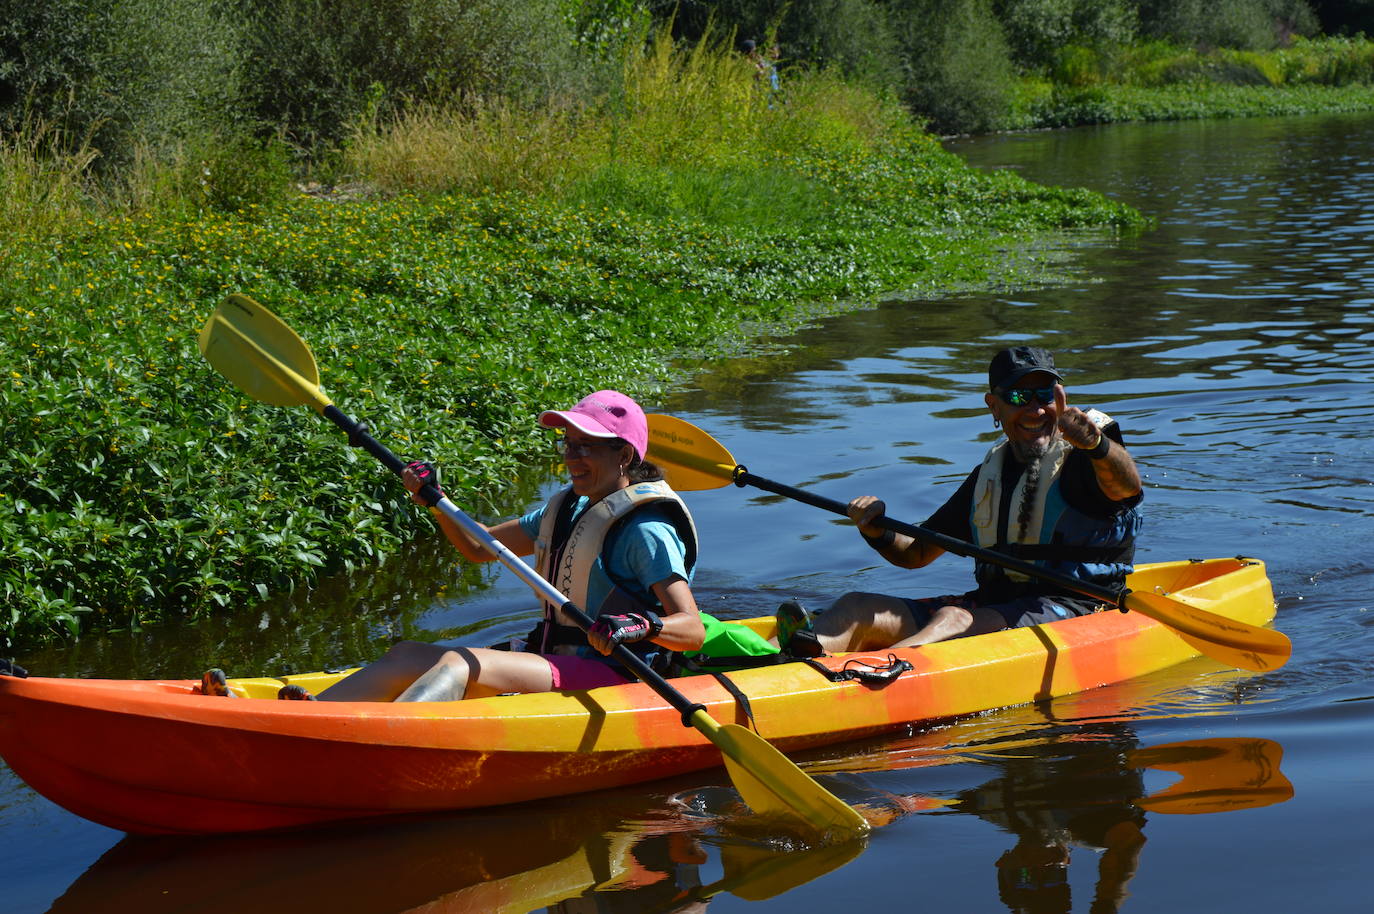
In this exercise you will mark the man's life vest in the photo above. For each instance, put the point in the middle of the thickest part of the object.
(1040, 526)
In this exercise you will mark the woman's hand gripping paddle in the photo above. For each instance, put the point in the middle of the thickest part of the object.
(265, 358)
(692, 459)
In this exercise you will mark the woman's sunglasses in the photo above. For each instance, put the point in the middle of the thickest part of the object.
(580, 449)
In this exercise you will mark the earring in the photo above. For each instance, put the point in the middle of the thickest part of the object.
(996, 423)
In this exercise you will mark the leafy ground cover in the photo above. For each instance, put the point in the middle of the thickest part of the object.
(137, 485)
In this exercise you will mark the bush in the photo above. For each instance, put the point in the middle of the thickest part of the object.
(1076, 66)
(958, 65)
(318, 67)
(1038, 30)
(1327, 62)
(1240, 24)
(856, 37)
(137, 484)
(115, 75)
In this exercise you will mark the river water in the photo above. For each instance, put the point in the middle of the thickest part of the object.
(1234, 342)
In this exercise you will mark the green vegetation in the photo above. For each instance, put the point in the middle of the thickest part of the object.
(508, 204)
(969, 66)
(553, 251)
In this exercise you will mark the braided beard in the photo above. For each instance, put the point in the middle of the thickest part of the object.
(1023, 517)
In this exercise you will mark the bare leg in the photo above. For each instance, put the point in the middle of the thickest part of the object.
(874, 621)
(863, 622)
(479, 672)
(389, 676)
(955, 622)
(447, 680)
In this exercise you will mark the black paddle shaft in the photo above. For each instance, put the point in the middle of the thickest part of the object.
(358, 437)
(743, 477)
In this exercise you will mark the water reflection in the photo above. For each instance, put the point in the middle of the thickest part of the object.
(1087, 791)
(1066, 788)
(621, 851)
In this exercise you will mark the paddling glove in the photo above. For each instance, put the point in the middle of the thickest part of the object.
(629, 627)
(428, 473)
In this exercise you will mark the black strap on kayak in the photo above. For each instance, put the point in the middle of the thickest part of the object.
(862, 670)
(738, 694)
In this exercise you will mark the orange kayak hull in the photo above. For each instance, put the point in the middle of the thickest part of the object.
(155, 757)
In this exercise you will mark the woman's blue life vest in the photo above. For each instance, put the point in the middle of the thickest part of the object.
(568, 552)
(1043, 528)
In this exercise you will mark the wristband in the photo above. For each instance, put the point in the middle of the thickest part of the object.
(1099, 450)
(879, 542)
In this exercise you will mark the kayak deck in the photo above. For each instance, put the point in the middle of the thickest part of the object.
(156, 757)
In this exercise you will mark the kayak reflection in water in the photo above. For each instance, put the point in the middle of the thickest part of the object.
(1083, 787)
(1059, 489)
(617, 541)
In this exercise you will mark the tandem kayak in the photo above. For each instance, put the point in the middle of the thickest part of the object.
(156, 757)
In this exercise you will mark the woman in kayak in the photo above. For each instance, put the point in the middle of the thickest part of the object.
(617, 541)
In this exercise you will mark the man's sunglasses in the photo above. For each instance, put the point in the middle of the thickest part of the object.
(1020, 396)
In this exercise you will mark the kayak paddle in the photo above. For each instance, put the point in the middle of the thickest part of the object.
(265, 358)
(692, 459)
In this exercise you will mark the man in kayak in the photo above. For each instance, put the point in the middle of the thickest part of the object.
(617, 542)
(1059, 489)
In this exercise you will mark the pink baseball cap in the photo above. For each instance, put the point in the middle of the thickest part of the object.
(604, 414)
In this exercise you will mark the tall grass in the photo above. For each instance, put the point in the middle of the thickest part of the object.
(688, 132)
(45, 182)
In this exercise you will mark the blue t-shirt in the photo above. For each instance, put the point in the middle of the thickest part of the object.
(644, 549)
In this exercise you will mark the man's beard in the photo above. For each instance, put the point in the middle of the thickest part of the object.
(1032, 477)
(1032, 451)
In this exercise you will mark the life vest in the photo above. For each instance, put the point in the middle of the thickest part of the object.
(566, 557)
(1042, 527)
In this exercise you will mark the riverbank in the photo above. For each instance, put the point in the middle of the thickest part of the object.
(1063, 106)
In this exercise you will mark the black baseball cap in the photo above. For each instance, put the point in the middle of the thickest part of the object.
(1011, 365)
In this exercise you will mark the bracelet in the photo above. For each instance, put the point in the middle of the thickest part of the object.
(1099, 450)
(879, 542)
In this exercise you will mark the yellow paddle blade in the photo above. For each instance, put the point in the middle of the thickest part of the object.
(1218, 774)
(1231, 641)
(690, 459)
(772, 785)
(262, 356)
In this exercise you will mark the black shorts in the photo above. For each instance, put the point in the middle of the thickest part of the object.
(1019, 612)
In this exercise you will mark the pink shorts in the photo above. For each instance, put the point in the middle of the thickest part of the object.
(576, 673)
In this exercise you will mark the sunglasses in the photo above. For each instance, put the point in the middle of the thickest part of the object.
(579, 449)
(1021, 396)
